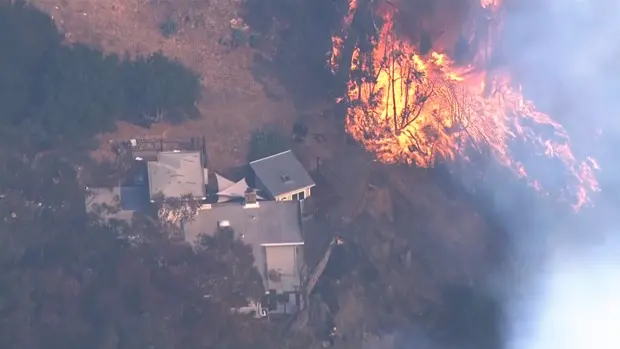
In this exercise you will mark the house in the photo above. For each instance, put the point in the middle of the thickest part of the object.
(177, 173)
(117, 203)
(282, 177)
(273, 230)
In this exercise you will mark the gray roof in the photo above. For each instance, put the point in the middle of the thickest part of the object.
(271, 222)
(175, 174)
(281, 173)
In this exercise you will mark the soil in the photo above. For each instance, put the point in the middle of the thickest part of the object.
(233, 102)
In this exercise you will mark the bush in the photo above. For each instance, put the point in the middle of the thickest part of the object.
(54, 92)
(168, 28)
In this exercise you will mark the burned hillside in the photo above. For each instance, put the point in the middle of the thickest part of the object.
(423, 212)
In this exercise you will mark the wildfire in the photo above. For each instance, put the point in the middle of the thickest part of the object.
(420, 109)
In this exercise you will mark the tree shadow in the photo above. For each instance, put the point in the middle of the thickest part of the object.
(262, 70)
(268, 140)
(58, 93)
(302, 32)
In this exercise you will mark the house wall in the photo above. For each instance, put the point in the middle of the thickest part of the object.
(289, 196)
(287, 262)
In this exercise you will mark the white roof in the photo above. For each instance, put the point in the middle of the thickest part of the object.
(237, 190)
(223, 182)
(175, 174)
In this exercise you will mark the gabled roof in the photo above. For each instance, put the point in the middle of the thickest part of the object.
(175, 174)
(281, 173)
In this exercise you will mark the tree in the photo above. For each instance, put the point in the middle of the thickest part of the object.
(174, 212)
(230, 264)
(55, 93)
(69, 282)
(297, 35)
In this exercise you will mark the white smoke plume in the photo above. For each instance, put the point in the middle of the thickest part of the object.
(571, 299)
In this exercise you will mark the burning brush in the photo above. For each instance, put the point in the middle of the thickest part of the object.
(406, 107)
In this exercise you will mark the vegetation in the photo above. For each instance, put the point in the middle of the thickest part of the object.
(267, 141)
(52, 91)
(69, 281)
(169, 28)
(301, 30)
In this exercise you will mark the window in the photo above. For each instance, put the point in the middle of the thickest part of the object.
(299, 196)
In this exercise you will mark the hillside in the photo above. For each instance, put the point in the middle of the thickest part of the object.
(233, 102)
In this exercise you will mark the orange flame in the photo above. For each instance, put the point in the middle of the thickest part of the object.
(405, 107)
(338, 41)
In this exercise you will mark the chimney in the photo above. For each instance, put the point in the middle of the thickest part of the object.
(250, 198)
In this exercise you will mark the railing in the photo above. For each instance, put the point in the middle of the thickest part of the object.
(320, 267)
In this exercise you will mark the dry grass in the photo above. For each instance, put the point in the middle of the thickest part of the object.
(233, 103)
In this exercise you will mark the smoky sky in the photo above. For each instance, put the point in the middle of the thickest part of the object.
(562, 287)
(565, 54)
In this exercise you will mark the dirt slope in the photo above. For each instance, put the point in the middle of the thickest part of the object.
(233, 103)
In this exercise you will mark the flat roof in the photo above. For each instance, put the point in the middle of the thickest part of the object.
(269, 222)
(281, 173)
(177, 173)
(108, 203)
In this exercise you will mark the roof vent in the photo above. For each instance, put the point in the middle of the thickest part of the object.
(223, 224)
(285, 178)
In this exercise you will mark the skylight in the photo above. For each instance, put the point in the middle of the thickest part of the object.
(285, 178)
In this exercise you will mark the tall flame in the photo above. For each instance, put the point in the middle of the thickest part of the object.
(411, 108)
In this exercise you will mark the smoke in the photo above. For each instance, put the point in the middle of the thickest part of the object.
(568, 293)
(572, 303)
